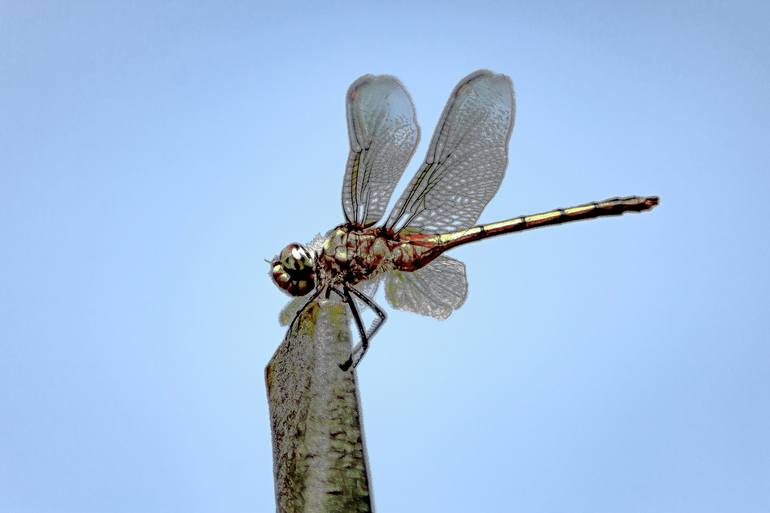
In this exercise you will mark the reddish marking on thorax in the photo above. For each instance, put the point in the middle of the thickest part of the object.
(353, 254)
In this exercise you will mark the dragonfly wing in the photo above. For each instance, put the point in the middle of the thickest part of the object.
(369, 287)
(383, 133)
(466, 160)
(316, 244)
(434, 290)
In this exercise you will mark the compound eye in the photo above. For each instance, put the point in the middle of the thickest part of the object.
(280, 276)
(293, 270)
(295, 257)
(302, 287)
(287, 259)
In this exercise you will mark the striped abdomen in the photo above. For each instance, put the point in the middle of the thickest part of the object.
(429, 246)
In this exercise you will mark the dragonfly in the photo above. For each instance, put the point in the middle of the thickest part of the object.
(462, 170)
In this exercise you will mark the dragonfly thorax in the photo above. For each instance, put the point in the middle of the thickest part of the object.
(293, 270)
(352, 254)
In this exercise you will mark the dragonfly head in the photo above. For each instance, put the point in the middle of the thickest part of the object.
(293, 269)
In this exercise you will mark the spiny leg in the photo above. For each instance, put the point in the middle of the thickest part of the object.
(381, 317)
(312, 298)
(345, 295)
(362, 346)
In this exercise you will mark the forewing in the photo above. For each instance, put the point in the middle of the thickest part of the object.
(434, 290)
(383, 133)
(466, 160)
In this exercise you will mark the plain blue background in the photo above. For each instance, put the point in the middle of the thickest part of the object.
(152, 155)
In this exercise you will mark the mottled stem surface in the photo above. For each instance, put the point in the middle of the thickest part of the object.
(319, 459)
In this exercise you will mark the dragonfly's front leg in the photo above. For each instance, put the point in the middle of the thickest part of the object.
(299, 312)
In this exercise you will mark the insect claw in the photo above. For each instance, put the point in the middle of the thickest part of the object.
(345, 366)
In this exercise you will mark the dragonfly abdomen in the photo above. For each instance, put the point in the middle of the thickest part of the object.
(610, 207)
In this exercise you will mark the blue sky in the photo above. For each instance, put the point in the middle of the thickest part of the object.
(152, 155)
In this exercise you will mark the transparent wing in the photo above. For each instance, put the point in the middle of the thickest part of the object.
(434, 290)
(316, 244)
(466, 160)
(369, 287)
(383, 135)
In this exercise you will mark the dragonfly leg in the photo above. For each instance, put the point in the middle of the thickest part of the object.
(355, 358)
(345, 295)
(360, 349)
(312, 298)
(381, 316)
